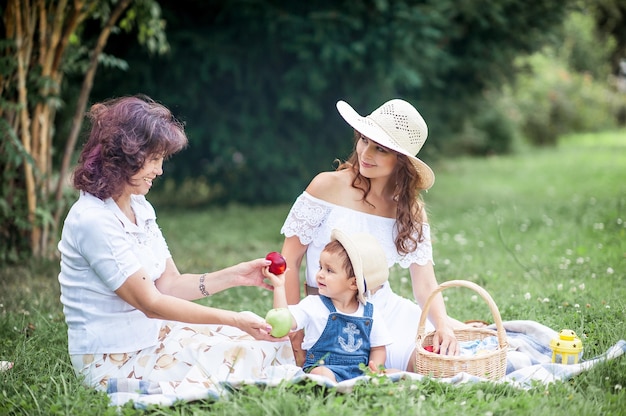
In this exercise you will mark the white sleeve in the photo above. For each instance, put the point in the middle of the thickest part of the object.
(306, 215)
(102, 242)
(423, 252)
(305, 311)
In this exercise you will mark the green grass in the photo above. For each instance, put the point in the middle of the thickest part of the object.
(543, 231)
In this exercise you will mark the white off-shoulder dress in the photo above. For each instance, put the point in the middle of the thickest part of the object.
(312, 220)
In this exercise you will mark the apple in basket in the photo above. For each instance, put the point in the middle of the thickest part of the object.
(279, 264)
(280, 320)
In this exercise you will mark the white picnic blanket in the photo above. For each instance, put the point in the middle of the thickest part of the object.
(529, 360)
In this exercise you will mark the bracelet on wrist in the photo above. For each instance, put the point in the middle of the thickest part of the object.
(202, 287)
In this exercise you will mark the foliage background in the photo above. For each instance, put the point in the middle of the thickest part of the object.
(257, 82)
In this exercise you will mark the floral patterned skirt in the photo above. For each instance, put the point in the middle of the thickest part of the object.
(188, 355)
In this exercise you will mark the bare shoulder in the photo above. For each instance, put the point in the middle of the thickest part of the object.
(329, 186)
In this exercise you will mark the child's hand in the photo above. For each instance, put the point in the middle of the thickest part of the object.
(275, 280)
(377, 368)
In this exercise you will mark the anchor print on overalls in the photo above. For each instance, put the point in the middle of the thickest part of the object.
(344, 343)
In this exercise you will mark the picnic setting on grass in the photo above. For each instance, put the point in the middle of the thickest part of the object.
(135, 332)
(317, 208)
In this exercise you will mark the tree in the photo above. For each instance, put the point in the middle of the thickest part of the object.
(45, 41)
(610, 18)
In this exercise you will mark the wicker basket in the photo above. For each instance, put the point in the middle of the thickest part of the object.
(490, 365)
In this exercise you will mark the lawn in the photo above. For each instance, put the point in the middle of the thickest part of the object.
(543, 231)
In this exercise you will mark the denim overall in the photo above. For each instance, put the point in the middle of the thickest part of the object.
(344, 343)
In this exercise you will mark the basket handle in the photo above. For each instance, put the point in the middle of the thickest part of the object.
(421, 328)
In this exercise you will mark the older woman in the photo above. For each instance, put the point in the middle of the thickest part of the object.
(128, 309)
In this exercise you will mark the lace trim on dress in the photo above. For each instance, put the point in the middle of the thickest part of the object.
(308, 220)
(422, 254)
(304, 218)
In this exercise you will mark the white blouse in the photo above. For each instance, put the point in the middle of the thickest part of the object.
(100, 248)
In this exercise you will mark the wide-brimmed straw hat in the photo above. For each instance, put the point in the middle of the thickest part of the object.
(396, 125)
(368, 260)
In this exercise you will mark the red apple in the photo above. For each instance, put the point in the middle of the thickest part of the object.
(279, 265)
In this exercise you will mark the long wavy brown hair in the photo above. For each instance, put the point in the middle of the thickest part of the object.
(124, 133)
(410, 210)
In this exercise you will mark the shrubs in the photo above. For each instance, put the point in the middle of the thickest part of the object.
(552, 100)
(546, 101)
(565, 88)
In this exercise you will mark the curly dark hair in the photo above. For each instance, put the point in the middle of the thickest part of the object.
(124, 133)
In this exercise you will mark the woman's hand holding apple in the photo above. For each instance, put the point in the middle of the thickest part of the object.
(258, 328)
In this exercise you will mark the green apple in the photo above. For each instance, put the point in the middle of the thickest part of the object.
(280, 320)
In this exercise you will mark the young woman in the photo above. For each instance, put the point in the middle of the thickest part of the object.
(128, 309)
(376, 191)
